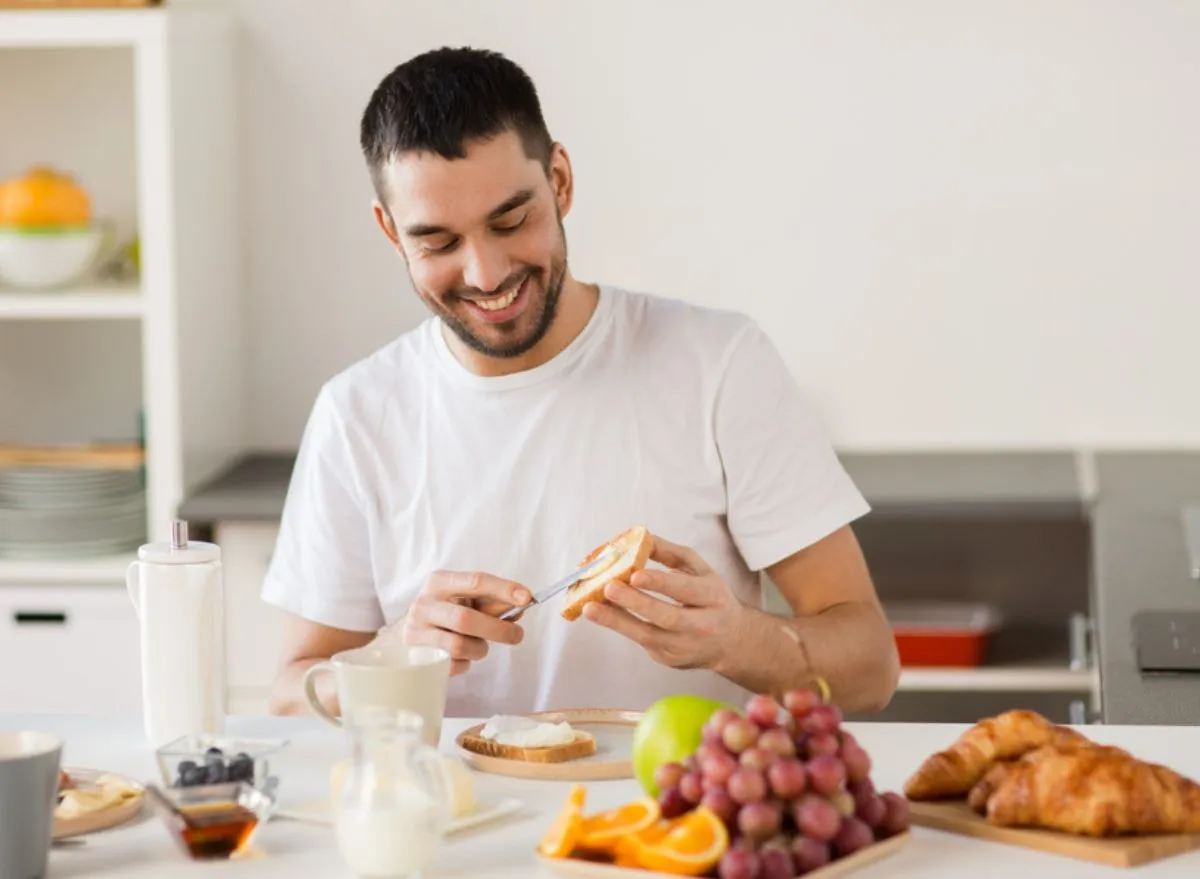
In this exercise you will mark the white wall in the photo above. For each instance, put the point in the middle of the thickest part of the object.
(965, 223)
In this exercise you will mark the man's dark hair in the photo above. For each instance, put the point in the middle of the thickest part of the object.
(439, 100)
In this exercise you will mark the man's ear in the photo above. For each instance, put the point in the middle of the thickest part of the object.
(384, 220)
(562, 178)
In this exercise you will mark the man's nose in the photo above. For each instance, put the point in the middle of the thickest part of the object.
(486, 267)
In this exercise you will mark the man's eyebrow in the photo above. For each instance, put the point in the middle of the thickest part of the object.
(422, 230)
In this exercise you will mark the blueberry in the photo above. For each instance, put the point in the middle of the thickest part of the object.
(241, 768)
(213, 752)
(216, 772)
(195, 776)
(184, 766)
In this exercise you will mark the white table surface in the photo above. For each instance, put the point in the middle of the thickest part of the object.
(504, 849)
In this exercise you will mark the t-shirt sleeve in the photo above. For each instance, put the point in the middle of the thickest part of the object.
(785, 486)
(321, 567)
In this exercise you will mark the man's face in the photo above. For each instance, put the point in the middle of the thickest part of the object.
(483, 240)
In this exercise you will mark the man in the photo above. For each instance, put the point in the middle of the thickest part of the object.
(480, 456)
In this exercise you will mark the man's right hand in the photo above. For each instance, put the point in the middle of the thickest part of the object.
(458, 610)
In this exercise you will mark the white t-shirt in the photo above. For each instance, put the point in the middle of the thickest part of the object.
(681, 418)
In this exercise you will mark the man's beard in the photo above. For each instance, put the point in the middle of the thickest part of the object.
(547, 310)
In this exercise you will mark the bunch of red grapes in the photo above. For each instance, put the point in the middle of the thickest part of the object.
(792, 786)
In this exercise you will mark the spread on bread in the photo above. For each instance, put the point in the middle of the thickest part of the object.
(76, 798)
(633, 548)
(525, 732)
(1019, 769)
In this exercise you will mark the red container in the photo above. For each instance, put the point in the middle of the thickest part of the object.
(942, 634)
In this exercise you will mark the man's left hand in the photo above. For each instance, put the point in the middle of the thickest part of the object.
(696, 632)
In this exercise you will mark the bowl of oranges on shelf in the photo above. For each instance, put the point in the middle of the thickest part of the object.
(49, 238)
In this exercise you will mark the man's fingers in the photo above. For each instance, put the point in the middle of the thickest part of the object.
(681, 558)
(653, 610)
(460, 647)
(459, 667)
(623, 623)
(687, 589)
(465, 620)
(476, 586)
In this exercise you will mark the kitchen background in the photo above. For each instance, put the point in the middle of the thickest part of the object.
(969, 227)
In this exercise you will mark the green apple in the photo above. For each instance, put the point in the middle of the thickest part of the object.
(669, 732)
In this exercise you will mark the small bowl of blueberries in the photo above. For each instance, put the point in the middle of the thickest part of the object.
(201, 759)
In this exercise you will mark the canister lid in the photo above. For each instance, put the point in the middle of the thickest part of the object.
(179, 550)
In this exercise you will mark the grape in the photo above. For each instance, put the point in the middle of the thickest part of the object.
(861, 788)
(778, 742)
(692, 787)
(747, 785)
(708, 750)
(738, 864)
(668, 775)
(896, 820)
(870, 809)
(691, 764)
(816, 817)
(852, 836)
(780, 840)
(759, 820)
(763, 711)
(672, 803)
(719, 766)
(809, 854)
(823, 718)
(787, 778)
(800, 702)
(756, 758)
(826, 775)
(775, 863)
(844, 803)
(857, 760)
(826, 744)
(717, 800)
(716, 723)
(739, 735)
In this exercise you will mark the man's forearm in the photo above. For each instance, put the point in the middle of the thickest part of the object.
(287, 696)
(851, 646)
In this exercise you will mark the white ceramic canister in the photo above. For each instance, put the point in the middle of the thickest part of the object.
(178, 591)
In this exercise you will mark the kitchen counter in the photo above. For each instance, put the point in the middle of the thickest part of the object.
(1133, 500)
(504, 850)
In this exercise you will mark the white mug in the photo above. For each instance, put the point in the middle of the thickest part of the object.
(396, 677)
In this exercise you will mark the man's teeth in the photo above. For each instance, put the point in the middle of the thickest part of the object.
(499, 302)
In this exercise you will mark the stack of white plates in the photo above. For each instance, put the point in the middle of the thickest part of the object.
(70, 512)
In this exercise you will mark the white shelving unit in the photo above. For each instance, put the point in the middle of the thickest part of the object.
(163, 79)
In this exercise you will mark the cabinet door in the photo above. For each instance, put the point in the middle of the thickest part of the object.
(253, 628)
(69, 649)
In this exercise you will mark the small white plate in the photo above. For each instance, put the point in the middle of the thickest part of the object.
(322, 813)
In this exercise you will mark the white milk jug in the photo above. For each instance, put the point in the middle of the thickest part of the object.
(178, 592)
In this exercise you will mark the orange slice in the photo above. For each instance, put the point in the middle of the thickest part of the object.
(625, 851)
(601, 832)
(692, 846)
(562, 835)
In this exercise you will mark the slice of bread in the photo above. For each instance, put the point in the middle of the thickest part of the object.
(633, 548)
(583, 746)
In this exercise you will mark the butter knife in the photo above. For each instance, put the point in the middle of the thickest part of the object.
(597, 564)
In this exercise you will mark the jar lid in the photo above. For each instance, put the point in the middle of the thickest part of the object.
(179, 550)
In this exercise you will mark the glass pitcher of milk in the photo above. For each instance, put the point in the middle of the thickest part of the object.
(393, 807)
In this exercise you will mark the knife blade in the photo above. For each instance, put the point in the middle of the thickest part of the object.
(597, 564)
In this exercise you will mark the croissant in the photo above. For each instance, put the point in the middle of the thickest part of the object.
(954, 771)
(995, 776)
(1094, 792)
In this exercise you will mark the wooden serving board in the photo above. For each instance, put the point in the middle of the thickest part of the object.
(842, 867)
(956, 816)
(77, 4)
(612, 728)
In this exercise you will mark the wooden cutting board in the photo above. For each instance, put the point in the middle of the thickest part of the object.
(957, 817)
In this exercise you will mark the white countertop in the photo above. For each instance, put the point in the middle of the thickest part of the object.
(504, 850)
